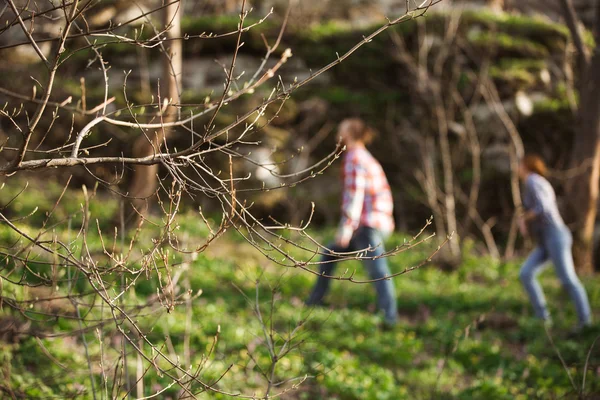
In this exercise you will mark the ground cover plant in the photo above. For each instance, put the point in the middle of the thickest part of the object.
(464, 334)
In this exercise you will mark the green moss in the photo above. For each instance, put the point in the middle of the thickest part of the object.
(326, 30)
(518, 23)
(551, 105)
(521, 73)
(507, 45)
(531, 65)
(588, 39)
(520, 78)
(338, 95)
(552, 35)
(367, 102)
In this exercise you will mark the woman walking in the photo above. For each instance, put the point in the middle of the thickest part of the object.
(544, 223)
(366, 217)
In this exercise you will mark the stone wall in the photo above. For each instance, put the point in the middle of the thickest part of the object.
(357, 10)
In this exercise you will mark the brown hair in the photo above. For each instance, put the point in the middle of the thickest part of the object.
(359, 130)
(534, 163)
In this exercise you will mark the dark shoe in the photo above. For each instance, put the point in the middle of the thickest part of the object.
(388, 326)
(317, 304)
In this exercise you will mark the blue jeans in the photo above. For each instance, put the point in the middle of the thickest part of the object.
(554, 244)
(377, 269)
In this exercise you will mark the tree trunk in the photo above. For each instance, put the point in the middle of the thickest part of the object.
(144, 181)
(585, 156)
(585, 159)
(449, 193)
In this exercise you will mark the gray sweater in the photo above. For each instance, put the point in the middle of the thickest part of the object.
(540, 198)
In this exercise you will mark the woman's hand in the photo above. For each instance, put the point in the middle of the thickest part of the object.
(523, 226)
(342, 241)
(524, 219)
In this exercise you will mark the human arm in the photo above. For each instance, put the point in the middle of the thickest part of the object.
(538, 199)
(525, 218)
(529, 215)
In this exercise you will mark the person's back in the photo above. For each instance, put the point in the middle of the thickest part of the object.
(366, 219)
(539, 197)
(542, 219)
(363, 172)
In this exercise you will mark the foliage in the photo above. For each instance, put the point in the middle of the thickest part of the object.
(507, 45)
(462, 335)
(520, 73)
(466, 334)
(537, 28)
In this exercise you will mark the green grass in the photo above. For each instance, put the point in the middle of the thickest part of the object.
(462, 335)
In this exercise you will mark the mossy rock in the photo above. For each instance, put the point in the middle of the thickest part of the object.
(323, 44)
(552, 105)
(551, 35)
(528, 64)
(513, 36)
(226, 25)
(518, 73)
(505, 45)
(221, 24)
(516, 79)
(364, 102)
(326, 30)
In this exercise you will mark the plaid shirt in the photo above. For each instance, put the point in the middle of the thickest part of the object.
(367, 198)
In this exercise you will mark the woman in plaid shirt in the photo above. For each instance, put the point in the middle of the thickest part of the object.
(367, 219)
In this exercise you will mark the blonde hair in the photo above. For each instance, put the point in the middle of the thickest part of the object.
(359, 130)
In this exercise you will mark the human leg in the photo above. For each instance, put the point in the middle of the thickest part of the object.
(562, 257)
(378, 269)
(327, 266)
(528, 276)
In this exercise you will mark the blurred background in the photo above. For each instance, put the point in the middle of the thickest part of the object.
(456, 95)
(403, 84)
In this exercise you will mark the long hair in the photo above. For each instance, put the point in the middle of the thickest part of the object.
(535, 163)
(359, 130)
